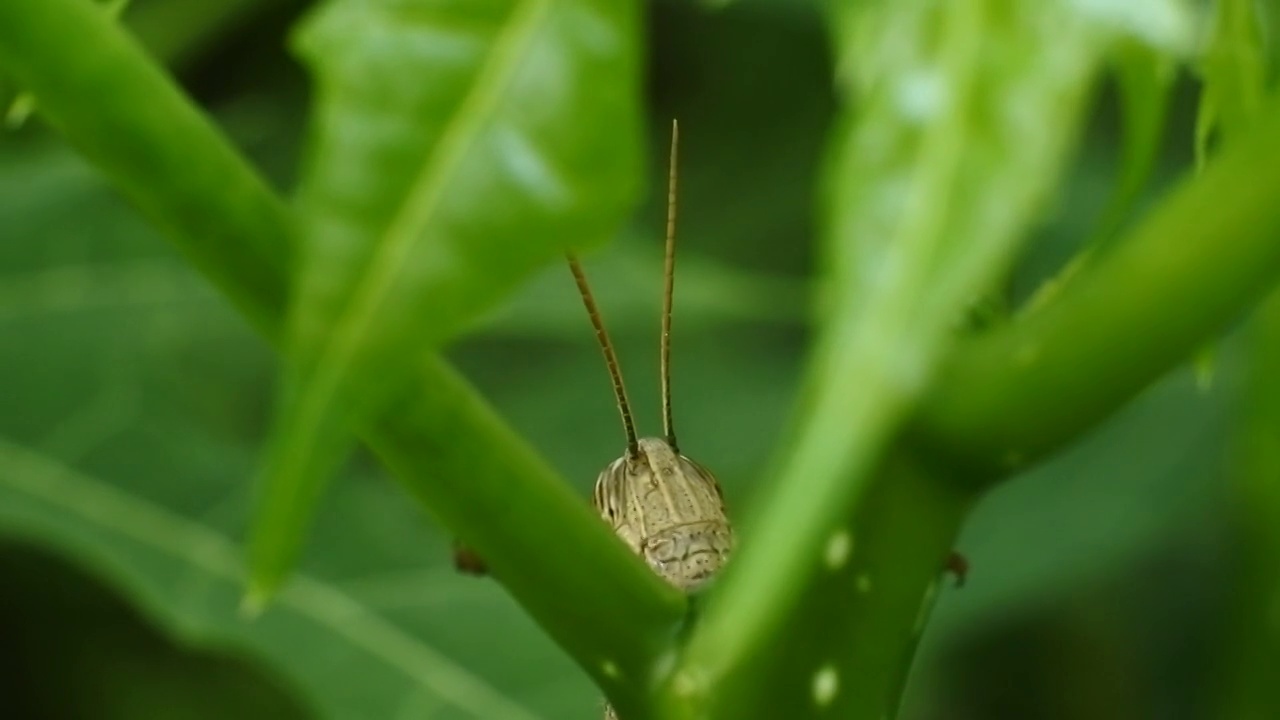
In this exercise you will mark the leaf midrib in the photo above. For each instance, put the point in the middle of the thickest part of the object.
(423, 198)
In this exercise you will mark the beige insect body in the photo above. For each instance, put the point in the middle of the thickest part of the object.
(667, 508)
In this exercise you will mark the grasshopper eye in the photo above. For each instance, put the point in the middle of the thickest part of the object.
(606, 496)
(598, 499)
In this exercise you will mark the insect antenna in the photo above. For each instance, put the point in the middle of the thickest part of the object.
(668, 276)
(610, 358)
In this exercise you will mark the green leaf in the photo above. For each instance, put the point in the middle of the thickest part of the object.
(1251, 649)
(459, 147)
(133, 393)
(449, 447)
(1144, 75)
(1236, 75)
(188, 573)
(1234, 68)
(96, 85)
(964, 113)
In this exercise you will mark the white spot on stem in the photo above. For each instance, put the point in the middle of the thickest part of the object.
(686, 684)
(826, 684)
(863, 582)
(839, 548)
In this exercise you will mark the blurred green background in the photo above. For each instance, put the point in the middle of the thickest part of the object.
(135, 401)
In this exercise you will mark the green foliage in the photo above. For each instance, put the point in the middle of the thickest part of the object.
(457, 149)
(119, 459)
(1236, 82)
(471, 486)
(454, 152)
(1145, 78)
(959, 132)
(1233, 68)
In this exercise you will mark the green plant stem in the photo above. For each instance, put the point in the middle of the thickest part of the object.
(1003, 399)
(1251, 652)
(847, 655)
(906, 530)
(448, 447)
(97, 86)
(1205, 255)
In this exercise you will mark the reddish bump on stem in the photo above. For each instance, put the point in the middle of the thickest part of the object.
(467, 561)
(958, 566)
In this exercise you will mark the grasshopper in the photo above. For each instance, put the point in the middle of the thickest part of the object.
(665, 506)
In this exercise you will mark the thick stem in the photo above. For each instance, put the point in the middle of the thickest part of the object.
(1204, 256)
(1251, 651)
(847, 649)
(118, 107)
